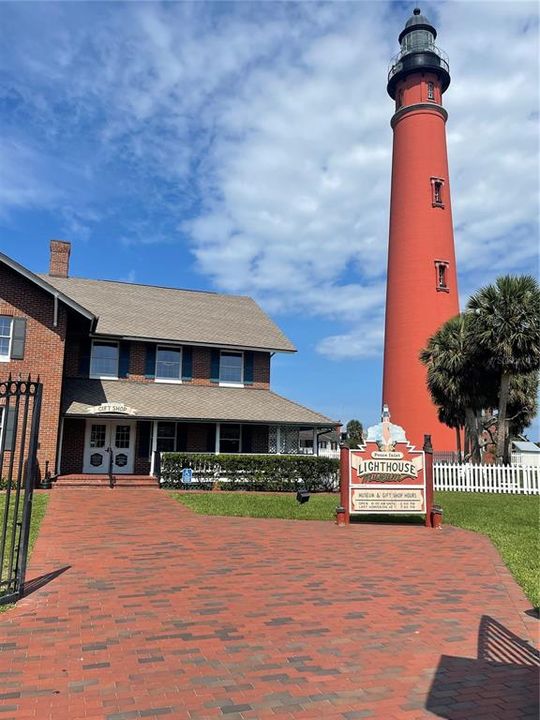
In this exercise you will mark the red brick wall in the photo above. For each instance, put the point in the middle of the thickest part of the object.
(137, 361)
(77, 340)
(141, 466)
(201, 366)
(59, 262)
(75, 346)
(73, 445)
(71, 361)
(261, 370)
(43, 354)
(197, 437)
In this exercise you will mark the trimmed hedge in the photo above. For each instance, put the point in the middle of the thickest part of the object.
(272, 473)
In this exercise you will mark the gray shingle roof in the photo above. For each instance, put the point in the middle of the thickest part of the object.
(146, 311)
(522, 446)
(189, 402)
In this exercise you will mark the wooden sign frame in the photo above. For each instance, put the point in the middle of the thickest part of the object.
(396, 480)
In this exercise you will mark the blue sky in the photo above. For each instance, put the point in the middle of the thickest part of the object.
(246, 148)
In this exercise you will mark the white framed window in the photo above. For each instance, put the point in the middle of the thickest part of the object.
(104, 359)
(231, 368)
(230, 438)
(6, 328)
(431, 91)
(323, 444)
(168, 364)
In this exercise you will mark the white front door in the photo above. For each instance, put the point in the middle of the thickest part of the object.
(106, 440)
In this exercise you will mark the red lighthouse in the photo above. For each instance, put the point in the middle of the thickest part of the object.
(422, 288)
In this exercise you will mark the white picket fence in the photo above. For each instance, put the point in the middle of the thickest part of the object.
(522, 479)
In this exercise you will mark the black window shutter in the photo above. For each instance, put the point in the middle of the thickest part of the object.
(181, 437)
(187, 363)
(144, 432)
(150, 365)
(247, 438)
(123, 361)
(211, 439)
(85, 349)
(214, 366)
(9, 428)
(248, 368)
(18, 338)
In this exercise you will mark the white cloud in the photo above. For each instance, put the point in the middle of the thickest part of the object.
(23, 181)
(360, 342)
(268, 127)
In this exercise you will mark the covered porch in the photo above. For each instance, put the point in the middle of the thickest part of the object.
(90, 445)
(120, 426)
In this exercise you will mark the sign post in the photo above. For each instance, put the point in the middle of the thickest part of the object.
(428, 473)
(386, 475)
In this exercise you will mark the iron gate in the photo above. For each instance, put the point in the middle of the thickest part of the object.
(20, 407)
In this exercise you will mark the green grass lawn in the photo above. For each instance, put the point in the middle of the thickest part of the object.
(511, 521)
(321, 506)
(39, 507)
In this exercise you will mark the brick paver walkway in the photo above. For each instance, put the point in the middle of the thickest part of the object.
(165, 614)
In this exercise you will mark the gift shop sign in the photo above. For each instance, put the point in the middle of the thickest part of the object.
(113, 408)
(386, 482)
(386, 474)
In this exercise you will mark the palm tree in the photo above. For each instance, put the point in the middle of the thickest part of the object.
(454, 381)
(522, 402)
(505, 330)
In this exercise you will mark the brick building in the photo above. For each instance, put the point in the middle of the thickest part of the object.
(129, 369)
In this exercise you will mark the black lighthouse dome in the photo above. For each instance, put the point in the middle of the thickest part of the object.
(415, 23)
(418, 53)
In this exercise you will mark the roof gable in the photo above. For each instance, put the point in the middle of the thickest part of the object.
(167, 314)
(40, 281)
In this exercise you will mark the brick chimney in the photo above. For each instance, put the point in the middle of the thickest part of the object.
(59, 264)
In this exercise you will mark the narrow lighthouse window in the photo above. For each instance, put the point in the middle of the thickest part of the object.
(441, 268)
(430, 91)
(437, 192)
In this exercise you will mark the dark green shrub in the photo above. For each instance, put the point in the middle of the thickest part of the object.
(265, 473)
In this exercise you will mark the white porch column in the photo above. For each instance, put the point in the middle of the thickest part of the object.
(154, 446)
(278, 440)
(218, 437)
(315, 442)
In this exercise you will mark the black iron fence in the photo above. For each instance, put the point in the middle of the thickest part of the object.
(20, 408)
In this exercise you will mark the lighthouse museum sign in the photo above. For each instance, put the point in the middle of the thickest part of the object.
(384, 475)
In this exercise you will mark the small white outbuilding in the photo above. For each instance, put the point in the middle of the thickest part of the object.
(525, 453)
